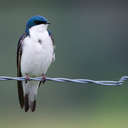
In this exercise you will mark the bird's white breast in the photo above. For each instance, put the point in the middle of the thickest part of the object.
(37, 52)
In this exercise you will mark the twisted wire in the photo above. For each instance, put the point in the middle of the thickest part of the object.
(82, 81)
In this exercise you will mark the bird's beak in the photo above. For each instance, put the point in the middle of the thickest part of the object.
(48, 23)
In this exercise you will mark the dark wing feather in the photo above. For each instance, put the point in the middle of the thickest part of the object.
(19, 83)
(50, 34)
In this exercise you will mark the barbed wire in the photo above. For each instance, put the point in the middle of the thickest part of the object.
(82, 81)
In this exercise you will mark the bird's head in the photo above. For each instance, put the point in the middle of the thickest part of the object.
(36, 20)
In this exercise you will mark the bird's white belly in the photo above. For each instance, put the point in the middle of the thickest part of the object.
(36, 57)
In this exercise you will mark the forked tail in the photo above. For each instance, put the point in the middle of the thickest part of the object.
(30, 94)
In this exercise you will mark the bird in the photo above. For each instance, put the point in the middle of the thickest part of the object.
(35, 53)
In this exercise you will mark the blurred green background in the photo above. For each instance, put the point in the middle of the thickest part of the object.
(91, 40)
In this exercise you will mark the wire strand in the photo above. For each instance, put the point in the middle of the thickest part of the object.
(82, 81)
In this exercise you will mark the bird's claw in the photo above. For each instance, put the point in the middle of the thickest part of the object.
(27, 78)
(43, 80)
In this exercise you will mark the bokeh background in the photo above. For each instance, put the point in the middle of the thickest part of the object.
(91, 40)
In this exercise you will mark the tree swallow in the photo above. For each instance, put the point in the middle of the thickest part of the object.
(35, 53)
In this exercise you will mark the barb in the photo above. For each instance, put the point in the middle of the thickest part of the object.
(82, 81)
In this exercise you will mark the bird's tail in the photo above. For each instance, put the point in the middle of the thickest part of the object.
(30, 89)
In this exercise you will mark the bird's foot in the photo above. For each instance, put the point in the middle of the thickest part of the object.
(27, 78)
(43, 79)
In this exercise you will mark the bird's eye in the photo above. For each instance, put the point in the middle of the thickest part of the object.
(37, 22)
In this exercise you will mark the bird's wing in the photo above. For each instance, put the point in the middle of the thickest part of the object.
(19, 83)
(50, 34)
